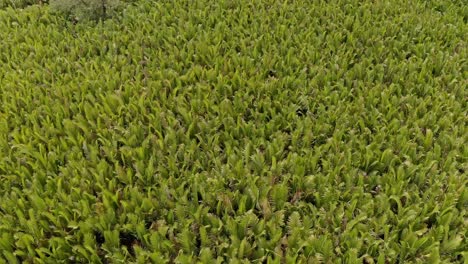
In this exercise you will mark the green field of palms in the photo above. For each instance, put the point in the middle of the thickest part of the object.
(242, 131)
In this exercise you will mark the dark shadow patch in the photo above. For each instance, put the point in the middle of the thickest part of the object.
(129, 240)
(99, 237)
(394, 207)
(271, 73)
(431, 221)
(376, 190)
(301, 111)
(310, 199)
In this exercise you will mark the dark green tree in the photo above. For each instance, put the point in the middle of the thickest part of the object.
(85, 9)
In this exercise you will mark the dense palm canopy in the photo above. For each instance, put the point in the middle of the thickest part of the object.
(235, 131)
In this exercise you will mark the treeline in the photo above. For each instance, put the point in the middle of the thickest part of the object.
(75, 10)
